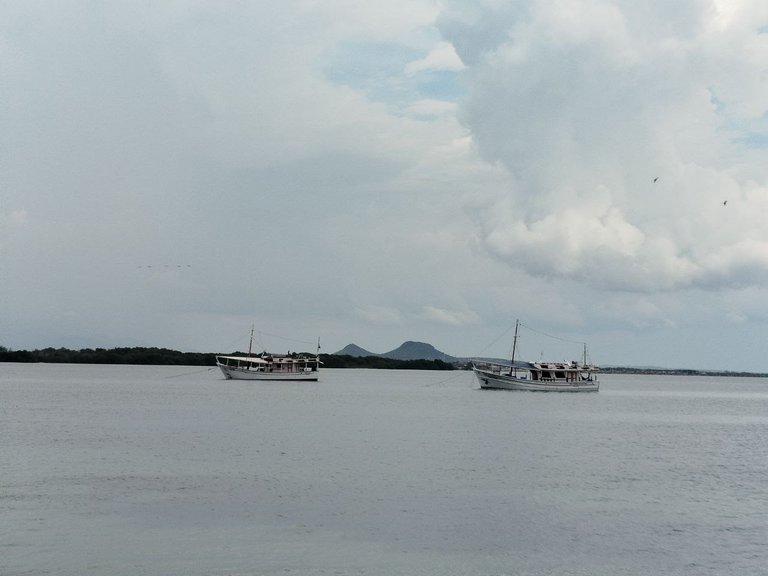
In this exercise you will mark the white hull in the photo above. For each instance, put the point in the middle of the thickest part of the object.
(231, 372)
(281, 367)
(496, 381)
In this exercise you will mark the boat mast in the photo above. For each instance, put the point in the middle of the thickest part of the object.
(514, 345)
(250, 343)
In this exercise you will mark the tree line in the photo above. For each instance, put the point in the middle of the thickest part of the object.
(137, 355)
(345, 361)
(164, 356)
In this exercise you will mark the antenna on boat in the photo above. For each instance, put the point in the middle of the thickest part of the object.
(318, 346)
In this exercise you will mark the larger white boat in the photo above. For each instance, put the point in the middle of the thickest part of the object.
(264, 366)
(538, 376)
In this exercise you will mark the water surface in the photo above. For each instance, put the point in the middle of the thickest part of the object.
(176, 471)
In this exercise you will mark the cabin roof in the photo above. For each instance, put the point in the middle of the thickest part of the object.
(544, 365)
(516, 364)
(250, 359)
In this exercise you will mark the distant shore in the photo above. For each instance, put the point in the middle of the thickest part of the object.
(166, 357)
(680, 372)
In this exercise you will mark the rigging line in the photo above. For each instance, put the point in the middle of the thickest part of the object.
(190, 373)
(240, 340)
(550, 335)
(445, 380)
(499, 337)
(284, 338)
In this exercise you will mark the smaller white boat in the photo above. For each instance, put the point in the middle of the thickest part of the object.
(538, 376)
(297, 366)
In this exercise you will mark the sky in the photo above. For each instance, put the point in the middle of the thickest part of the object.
(175, 173)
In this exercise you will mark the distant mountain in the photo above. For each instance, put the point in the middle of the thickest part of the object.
(417, 351)
(406, 351)
(355, 351)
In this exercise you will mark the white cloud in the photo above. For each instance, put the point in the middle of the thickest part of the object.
(375, 181)
(19, 217)
(585, 103)
(452, 317)
(442, 57)
(432, 108)
(380, 315)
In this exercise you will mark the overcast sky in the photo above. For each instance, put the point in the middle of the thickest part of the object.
(174, 172)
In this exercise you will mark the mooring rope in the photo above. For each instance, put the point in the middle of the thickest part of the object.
(190, 373)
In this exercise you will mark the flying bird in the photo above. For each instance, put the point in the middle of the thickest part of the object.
(654, 180)
(725, 202)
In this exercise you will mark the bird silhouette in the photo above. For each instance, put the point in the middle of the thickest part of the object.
(654, 180)
(725, 202)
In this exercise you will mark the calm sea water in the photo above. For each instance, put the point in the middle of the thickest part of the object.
(175, 471)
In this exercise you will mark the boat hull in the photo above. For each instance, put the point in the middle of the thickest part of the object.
(495, 381)
(235, 373)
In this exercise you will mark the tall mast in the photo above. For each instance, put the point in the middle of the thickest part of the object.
(250, 343)
(514, 342)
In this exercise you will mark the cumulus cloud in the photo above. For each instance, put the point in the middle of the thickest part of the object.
(442, 57)
(16, 217)
(379, 178)
(587, 103)
(452, 317)
(430, 107)
(19, 217)
(380, 315)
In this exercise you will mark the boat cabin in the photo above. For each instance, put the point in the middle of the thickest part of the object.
(270, 364)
